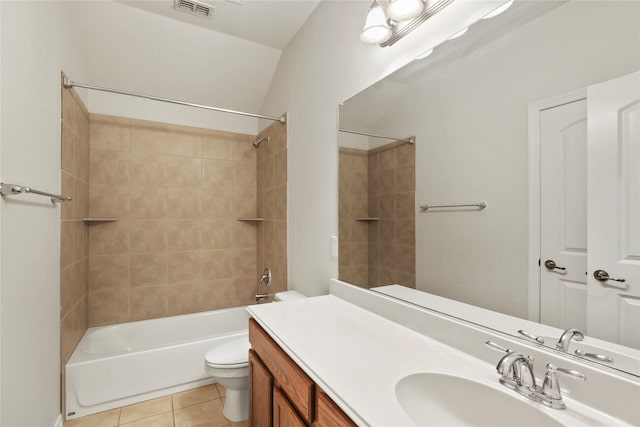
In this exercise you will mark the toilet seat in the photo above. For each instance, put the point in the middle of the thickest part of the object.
(229, 355)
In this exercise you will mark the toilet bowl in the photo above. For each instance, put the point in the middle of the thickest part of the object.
(228, 364)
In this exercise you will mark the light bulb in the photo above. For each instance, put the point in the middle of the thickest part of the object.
(376, 30)
(404, 10)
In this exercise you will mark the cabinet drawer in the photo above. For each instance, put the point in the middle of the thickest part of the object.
(297, 386)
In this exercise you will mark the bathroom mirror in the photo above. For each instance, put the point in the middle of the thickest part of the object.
(485, 109)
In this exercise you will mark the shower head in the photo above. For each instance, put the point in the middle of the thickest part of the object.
(260, 141)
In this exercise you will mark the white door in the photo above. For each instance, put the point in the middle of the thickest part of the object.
(563, 215)
(614, 210)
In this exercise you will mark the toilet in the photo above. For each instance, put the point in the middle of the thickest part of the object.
(228, 363)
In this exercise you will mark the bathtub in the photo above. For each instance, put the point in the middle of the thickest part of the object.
(127, 363)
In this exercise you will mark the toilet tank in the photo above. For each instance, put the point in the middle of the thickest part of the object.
(288, 296)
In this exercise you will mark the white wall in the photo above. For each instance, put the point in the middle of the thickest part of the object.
(134, 50)
(322, 66)
(143, 109)
(472, 145)
(37, 43)
(349, 140)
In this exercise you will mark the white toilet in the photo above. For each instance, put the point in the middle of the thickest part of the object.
(228, 363)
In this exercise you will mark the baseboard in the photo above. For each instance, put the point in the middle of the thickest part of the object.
(58, 421)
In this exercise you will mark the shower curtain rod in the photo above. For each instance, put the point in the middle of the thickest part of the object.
(68, 83)
(410, 140)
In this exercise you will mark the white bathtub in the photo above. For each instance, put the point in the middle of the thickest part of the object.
(127, 363)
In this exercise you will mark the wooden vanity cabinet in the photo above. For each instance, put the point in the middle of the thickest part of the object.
(281, 394)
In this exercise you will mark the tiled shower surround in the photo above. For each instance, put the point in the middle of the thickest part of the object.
(74, 233)
(152, 229)
(378, 183)
(272, 206)
(177, 246)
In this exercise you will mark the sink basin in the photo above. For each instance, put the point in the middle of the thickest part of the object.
(432, 399)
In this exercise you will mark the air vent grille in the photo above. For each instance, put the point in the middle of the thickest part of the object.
(193, 7)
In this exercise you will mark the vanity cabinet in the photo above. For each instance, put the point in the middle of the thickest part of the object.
(281, 394)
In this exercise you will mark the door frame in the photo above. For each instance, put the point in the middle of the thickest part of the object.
(534, 113)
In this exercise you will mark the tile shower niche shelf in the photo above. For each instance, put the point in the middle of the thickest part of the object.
(367, 219)
(94, 220)
(256, 219)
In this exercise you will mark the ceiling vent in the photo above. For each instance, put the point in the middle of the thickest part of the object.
(193, 7)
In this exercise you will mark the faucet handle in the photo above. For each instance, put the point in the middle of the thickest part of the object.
(572, 373)
(550, 393)
(495, 346)
(531, 336)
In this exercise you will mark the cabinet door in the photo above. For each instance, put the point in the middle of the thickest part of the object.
(329, 415)
(288, 376)
(283, 413)
(260, 386)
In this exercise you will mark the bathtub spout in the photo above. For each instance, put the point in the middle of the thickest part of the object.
(262, 297)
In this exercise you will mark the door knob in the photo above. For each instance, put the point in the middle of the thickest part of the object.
(551, 265)
(603, 276)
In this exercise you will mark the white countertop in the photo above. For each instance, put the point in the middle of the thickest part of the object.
(355, 356)
(358, 357)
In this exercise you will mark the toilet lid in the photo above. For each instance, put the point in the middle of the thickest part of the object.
(231, 354)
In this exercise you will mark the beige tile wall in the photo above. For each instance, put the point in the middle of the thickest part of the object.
(177, 246)
(272, 206)
(74, 234)
(353, 199)
(392, 199)
(378, 183)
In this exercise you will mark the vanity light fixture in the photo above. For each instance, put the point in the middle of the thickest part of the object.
(376, 28)
(498, 11)
(459, 34)
(425, 54)
(401, 17)
(403, 10)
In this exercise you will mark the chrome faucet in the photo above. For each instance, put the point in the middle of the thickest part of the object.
(516, 370)
(566, 337)
(576, 335)
(265, 279)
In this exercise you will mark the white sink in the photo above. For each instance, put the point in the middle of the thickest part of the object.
(433, 399)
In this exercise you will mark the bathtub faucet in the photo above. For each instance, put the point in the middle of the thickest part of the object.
(265, 279)
(262, 297)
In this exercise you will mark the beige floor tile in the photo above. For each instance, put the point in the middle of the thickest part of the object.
(195, 396)
(162, 420)
(101, 419)
(207, 414)
(145, 409)
(244, 423)
(221, 390)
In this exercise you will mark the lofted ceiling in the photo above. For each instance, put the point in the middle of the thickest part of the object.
(151, 48)
(267, 22)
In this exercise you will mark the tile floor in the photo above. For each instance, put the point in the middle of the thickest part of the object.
(200, 407)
